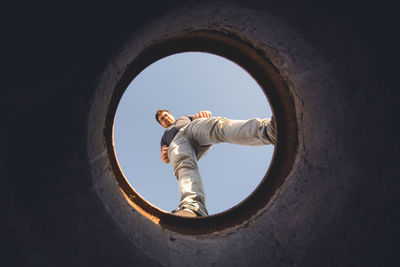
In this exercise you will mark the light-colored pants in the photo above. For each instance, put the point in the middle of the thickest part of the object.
(195, 139)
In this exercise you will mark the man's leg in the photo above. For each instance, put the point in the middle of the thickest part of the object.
(182, 156)
(253, 132)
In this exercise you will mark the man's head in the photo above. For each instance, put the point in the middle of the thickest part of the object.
(164, 117)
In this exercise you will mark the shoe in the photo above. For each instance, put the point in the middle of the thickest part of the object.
(271, 131)
(184, 213)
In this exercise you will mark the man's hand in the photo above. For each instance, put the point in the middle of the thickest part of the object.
(202, 114)
(164, 154)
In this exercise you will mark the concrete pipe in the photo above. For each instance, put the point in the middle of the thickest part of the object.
(328, 199)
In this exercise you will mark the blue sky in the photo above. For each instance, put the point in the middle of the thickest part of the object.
(186, 83)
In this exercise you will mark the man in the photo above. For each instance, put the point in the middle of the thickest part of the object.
(188, 138)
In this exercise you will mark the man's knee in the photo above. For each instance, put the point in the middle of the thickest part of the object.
(185, 162)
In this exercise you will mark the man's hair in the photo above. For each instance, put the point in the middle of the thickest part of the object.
(158, 113)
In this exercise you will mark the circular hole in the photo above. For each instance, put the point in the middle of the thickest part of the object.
(186, 83)
(250, 58)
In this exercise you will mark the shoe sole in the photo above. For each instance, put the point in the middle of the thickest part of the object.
(185, 213)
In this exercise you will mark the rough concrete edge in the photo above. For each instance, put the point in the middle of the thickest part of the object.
(222, 18)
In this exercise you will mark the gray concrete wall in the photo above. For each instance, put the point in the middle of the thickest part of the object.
(62, 206)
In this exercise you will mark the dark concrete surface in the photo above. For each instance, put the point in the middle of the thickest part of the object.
(338, 206)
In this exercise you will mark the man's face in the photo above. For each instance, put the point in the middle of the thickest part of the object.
(166, 119)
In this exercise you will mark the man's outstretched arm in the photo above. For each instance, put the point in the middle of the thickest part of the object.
(164, 154)
(202, 114)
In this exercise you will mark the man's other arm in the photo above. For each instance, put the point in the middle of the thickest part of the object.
(164, 154)
(202, 114)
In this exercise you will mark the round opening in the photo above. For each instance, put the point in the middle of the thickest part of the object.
(186, 83)
(254, 61)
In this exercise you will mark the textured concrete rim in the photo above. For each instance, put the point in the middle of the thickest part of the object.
(242, 52)
(61, 203)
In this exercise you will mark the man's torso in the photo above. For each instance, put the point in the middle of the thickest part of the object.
(172, 130)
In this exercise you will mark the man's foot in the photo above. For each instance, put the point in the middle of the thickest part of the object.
(184, 212)
(271, 131)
